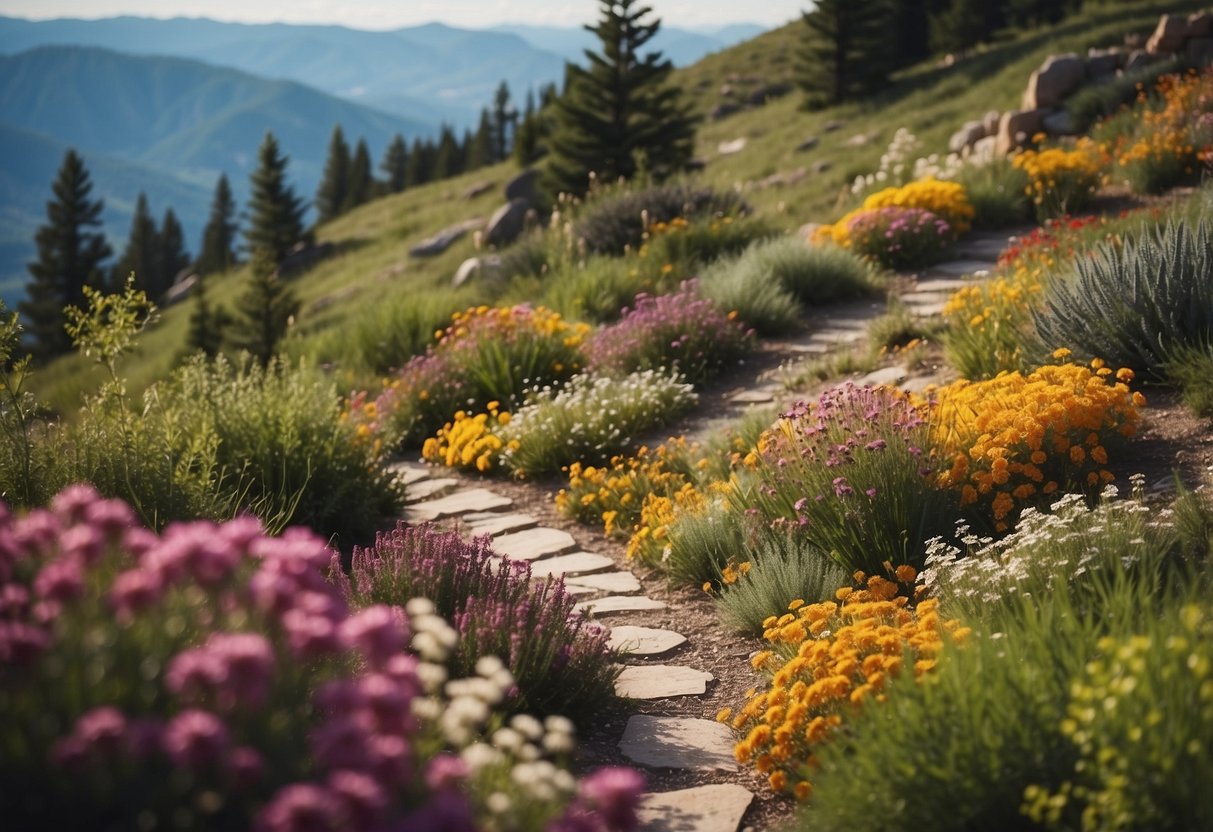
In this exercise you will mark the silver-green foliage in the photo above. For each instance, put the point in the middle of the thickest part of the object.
(1134, 304)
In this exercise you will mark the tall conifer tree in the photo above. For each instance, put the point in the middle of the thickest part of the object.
(362, 181)
(420, 162)
(448, 158)
(207, 323)
(332, 195)
(482, 146)
(141, 255)
(620, 111)
(265, 310)
(275, 211)
(504, 124)
(395, 165)
(218, 250)
(846, 54)
(70, 257)
(171, 256)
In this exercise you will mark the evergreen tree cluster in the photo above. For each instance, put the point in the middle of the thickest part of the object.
(155, 256)
(852, 46)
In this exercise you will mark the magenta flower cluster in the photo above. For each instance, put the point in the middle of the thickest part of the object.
(900, 238)
(559, 660)
(682, 331)
(213, 678)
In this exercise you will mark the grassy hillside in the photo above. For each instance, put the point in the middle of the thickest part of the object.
(373, 266)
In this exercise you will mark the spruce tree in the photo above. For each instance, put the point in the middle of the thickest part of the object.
(362, 182)
(846, 54)
(171, 256)
(218, 250)
(448, 158)
(332, 195)
(275, 212)
(620, 111)
(504, 122)
(526, 136)
(207, 323)
(141, 255)
(395, 165)
(420, 163)
(265, 310)
(70, 257)
(482, 145)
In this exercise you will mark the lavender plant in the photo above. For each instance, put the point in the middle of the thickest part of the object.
(853, 474)
(680, 332)
(560, 662)
(213, 679)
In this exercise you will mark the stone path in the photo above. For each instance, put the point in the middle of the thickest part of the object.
(612, 594)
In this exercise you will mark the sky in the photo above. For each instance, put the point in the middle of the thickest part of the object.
(389, 14)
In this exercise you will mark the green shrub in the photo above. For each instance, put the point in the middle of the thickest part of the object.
(597, 289)
(616, 220)
(396, 330)
(1133, 305)
(900, 239)
(701, 543)
(997, 191)
(814, 275)
(756, 295)
(782, 569)
(283, 446)
(590, 420)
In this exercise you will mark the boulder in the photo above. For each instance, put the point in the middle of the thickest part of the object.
(1200, 25)
(807, 144)
(478, 189)
(488, 266)
(989, 123)
(444, 239)
(822, 166)
(1016, 127)
(1137, 59)
(1103, 63)
(966, 136)
(696, 164)
(1199, 50)
(1057, 77)
(723, 111)
(507, 223)
(726, 90)
(831, 126)
(303, 257)
(180, 290)
(861, 139)
(523, 186)
(985, 149)
(767, 93)
(1169, 36)
(1059, 123)
(729, 148)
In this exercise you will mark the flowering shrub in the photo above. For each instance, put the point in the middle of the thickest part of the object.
(1017, 439)
(486, 354)
(826, 660)
(1061, 181)
(212, 678)
(1173, 141)
(682, 332)
(559, 661)
(899, 238)
(469, 441)
(946, 200)
(590, 420)
(852, 473)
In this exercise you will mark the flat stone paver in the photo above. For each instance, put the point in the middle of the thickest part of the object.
(644, 641)
(658, 681)
(885, 375)
(618, 582)
(671, 742)
(454, 504)
(938, 284)
(533, 544)
(838, 336)
(485, 522)
(619, 603)
(428, 489)
(960, 268)
(929, 310)
(577, 563)
(409, 472)
(759, 395)
(718, 807)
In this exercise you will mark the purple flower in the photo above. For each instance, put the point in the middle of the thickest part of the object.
(134, 591)
(614, 794)
(60, 581)
(72, 503)
(362, 797)
(378, 632)
(101, 730)
(22, 643)
(245, 766)
(301, 807)
(842, 488)
(445, 771)
(195, 739)
(876, 445)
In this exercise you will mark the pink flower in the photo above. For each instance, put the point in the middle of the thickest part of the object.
(615, 793)
(195, 739)
(310, 636)
(72, 503)
(101, 730)
(301, 807)
(60, 581)
(245, 766)
(21, 643)
(445, 771)
(134, 591)
(363, 799)
(377, 632)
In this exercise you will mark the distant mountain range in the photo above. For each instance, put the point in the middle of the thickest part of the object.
(165, 106)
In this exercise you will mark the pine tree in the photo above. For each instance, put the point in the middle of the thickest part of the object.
(265, 310)
(526, 136)
(171, 256)
(912, 22)
(69, 258)
(420, 163)
(276, 213)
(620, 112)
(207, 323)
(362, 183)
(448, 158)
(505, 119)
(846, 54)
(141, 253)
(482, 145)
(332, 195)
(395, 165)
(218, 250)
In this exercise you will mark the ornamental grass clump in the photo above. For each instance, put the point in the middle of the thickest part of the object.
(680, 332)
(559, 661)
(854, 474)
(590, 420)
(212, 678)
(826, 662)
(899, 238)
(486, 354)
(1017, 439)
(1135, 303)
